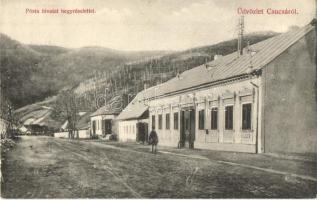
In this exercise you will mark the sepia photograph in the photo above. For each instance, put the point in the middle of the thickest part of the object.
(158, 99)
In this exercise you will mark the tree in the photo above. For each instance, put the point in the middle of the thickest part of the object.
(7, 115)
(66, 108)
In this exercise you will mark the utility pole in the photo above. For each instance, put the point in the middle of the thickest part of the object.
(240, 35)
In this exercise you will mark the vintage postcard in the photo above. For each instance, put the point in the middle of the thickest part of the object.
(149, 99)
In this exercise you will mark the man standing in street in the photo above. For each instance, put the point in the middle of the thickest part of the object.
(153, 139)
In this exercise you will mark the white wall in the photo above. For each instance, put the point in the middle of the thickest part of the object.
(235, 93)
(98, 122)
(167, 137)
(83, 133)
(99, 119)
(127, 130)
(61, 135)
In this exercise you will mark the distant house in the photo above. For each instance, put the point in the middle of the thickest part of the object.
(133, 121)
(263, 100)
(84, 132)
(83, 126)
(61, 134)
(102, 122)
(41, 123)
(23, 129)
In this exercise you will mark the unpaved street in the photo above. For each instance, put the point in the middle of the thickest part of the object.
(45, 167)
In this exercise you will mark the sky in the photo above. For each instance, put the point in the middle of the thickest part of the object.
(144, 24)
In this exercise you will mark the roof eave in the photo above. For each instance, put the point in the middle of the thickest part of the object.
(207, 84)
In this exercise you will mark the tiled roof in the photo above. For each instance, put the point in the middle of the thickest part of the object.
(83, 122)
(231, 65)
(105, 110)
(223, 68)
(135, 109)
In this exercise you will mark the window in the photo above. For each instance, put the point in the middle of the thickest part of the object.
(94, 126)
(176, 121)
(153, 121)
(246, 116)
(229, 117)
(160, 122)
(214, 118)
(167, 121)
(201, 119)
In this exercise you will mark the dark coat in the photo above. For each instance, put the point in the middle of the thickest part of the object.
(153, 139)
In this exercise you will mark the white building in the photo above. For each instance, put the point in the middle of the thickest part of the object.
(263, 100)
(133, 121)
(102, 122)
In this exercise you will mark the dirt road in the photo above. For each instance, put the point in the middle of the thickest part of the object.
(45, 167)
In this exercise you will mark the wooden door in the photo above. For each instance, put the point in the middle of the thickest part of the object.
(187, 128)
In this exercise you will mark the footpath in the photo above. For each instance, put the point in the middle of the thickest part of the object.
(291, 166)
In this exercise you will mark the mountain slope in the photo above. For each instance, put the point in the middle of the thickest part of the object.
(128, 80)
(17, 64)
(123, 74)
(30, 73)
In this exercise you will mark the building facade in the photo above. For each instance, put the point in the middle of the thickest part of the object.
(133, 121)
(262, 99)
(102, 122)
(221, 117)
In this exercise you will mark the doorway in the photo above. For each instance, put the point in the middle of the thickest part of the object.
(108, 126)
(94, 127)
(142, 132)
(187, 128)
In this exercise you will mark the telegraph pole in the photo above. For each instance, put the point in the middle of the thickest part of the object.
(240, 35)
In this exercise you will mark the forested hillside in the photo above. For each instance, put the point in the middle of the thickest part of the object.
(31, 73)
(129, 79)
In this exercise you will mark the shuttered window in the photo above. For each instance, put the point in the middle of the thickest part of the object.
(246, 116)
(229, 117)
(214, 118)
(201, 120)
(167, 121)
(176, 121)
(160, 122)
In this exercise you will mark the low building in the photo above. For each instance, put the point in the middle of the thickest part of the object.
(62, 134)
(83, 126)
(263, 100)
(133, 121)
(43, 125)
(102, 122)
(23, 130)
